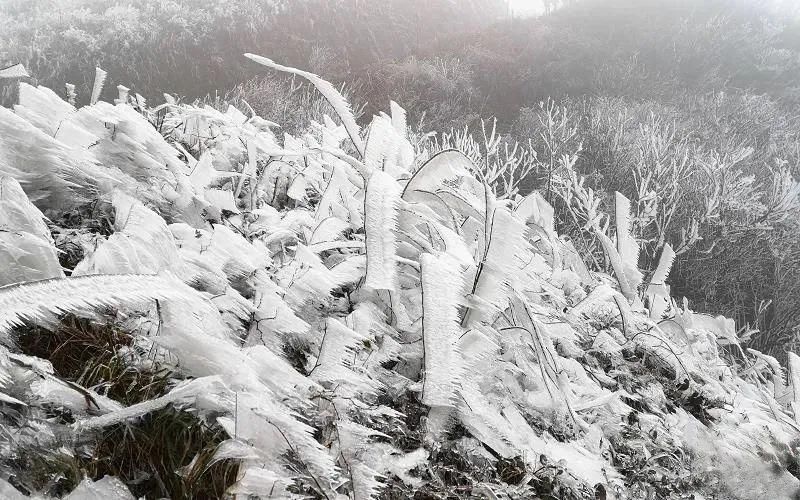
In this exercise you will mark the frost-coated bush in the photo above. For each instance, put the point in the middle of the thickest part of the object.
(714, 177)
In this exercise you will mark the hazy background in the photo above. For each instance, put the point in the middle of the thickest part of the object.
(704, 94)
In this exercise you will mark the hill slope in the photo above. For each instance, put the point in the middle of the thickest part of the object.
(341, 313)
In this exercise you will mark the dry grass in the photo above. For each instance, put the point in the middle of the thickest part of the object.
(166, 453)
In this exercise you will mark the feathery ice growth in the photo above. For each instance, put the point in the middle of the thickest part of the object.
(343, 314)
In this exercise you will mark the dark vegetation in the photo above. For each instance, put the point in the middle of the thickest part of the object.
(194, 47)
(166, 453)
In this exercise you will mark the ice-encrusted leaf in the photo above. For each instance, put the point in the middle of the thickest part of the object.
(500, 264)
(338, 341)
(618, 266)
(627, 247)
(184, 393)
(14, 71)
(333, 96)
(794, 384)
(27, 251)
(534, 209)
(664, 265)
(380, 223)
(381, 144)
(398, 118)
(442, 283)
(97, 87)
(106, 488)
(41, 301)
(141, 244)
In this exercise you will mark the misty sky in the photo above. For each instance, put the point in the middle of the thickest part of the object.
(526, 7)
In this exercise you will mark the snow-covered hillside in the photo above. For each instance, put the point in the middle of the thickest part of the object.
(356, 316)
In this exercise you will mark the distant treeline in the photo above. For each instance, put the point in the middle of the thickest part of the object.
(194, 47)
